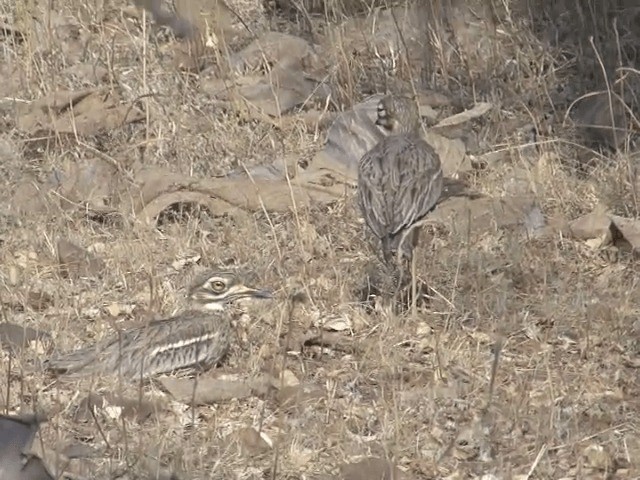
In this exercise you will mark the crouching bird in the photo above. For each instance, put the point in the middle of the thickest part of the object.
(198, 337)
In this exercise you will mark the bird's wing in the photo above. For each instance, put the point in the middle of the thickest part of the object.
(419, 185)
(399, 182)
(178, 342)
(372, 178)
(159, 346)
(103, 356)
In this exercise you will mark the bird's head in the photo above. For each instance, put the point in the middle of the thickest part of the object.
(214, 289)
(398, 115)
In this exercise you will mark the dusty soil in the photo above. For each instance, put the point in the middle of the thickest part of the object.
(331, 383)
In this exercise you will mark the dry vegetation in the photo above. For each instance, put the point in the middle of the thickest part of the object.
(416, 389)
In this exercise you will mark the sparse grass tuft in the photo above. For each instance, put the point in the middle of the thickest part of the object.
(410, 388)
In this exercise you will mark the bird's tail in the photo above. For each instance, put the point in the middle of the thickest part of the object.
(399, 248)
(454, 187)
(83, 360)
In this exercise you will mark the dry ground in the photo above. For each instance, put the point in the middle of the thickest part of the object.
(414, 389)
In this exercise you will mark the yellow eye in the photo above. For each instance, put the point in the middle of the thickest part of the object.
(218, 286)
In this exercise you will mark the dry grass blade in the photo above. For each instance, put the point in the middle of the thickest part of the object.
(165, 137)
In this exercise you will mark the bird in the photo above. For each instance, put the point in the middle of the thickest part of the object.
(399, 180)
(197, 337)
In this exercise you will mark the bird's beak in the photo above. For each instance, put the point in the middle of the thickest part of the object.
(261, 293)
(253, 292)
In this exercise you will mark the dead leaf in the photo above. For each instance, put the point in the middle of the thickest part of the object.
(88, 185)
(334, 340)
(336, 323)
(83, 112)
(226, 196)
(12, 87)
(271, 47)
(316, 119)
(138, 409)
(352, 134)
(454, 187)
(330, 8)
(300, 396)
(625, 230)
(466, 216)
(597, 243)
(181, 20)
(631, 362)
(80, 450)
(535, 222)
(38, 300)
(251, 442)
(16, 438)
(31, 116)
(183, 262)
(474, 34)
(591, 225)
(16, 337)
(117, 309)
(280, 91)
(599, 229)
(286, 379)
(157, 470)
(153, 182)
(56, 30)
(30, 198)
(87, 73)
(597, 458)
(76, 262)
(389, 31)
(149, 214)
(478, 110)
(207, 390)
(371, 468)
(602, 119)
(452, 153)
(159, 189)
(35, 299)
(189, 56)
(273, 91)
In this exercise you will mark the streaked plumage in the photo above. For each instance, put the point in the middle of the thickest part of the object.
(399, 180)
(381, 278)
(193, 338)
(389, 285)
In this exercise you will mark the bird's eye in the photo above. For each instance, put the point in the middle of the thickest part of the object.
(218, 285)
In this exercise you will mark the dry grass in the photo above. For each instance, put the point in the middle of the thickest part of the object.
(414, 389)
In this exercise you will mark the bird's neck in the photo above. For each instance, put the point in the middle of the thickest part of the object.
(212, 307)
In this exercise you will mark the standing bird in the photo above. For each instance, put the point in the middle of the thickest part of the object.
(399, 180)
(197, 337)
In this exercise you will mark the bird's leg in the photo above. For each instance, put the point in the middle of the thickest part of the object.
(406, 259)
(414, 287)
(415, 237)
